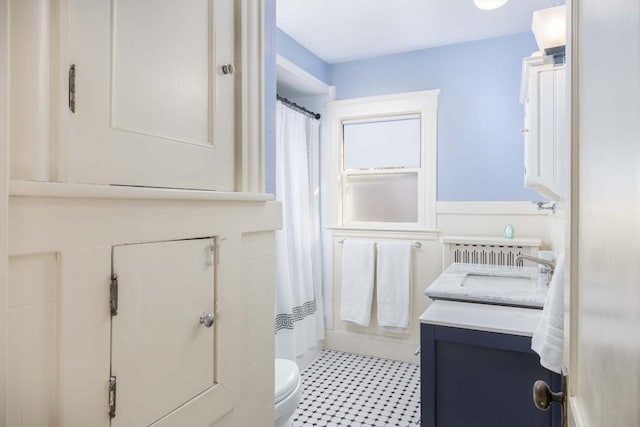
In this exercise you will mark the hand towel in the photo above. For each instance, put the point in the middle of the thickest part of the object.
(548, 338)
(358, 269)
(394, 285)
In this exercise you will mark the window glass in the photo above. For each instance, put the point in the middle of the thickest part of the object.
(386, 143)
(383, 197)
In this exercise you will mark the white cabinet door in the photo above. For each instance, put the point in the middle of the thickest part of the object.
(153, 105)
(161, 355)
(545, 130)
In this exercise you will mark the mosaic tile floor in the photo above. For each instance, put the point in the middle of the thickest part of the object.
(344, 389)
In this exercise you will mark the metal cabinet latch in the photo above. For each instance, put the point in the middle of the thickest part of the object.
(206, 319)
(228, 69)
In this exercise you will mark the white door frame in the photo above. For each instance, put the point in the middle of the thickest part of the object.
(4, 200)
(597, 359)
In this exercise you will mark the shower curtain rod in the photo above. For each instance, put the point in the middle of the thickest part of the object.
(298, 107)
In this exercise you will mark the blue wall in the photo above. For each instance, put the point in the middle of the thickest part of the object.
(301, 56)
(480, 149)
(277, 41)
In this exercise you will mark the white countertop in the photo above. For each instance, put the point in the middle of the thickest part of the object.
(483, 317)
(491, 284)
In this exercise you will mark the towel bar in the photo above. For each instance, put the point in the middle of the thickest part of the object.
(414, 245)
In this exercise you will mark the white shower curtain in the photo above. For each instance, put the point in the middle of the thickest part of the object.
(299, 323)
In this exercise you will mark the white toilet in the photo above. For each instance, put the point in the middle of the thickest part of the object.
(288, 391)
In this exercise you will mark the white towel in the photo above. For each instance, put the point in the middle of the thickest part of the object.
(394, 285)
(358, 268)
(548, 339)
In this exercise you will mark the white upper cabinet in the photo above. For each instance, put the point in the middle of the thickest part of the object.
(154, 94)
(545, 131)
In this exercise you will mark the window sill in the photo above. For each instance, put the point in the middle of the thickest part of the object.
(368, 232)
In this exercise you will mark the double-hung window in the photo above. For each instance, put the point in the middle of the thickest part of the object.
(385, 159)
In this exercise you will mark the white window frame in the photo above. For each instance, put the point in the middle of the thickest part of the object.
(422, 103)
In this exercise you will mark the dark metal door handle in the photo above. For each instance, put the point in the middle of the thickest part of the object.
(543, 397)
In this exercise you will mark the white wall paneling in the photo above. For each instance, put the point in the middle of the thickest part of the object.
(557, 229)
(257, 335)
(532, 225)
(33, 347)
(30, 89)
(167, 120)
(84, 335)
(489, 208)
(453, 218)
(80, 232)
(70, 222)
(105, 192)
(371, 340)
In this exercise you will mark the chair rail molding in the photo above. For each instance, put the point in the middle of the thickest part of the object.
(488, 208)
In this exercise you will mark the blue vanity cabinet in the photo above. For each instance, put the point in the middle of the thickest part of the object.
(475, 378)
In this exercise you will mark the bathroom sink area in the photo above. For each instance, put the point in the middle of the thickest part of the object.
(489, 284)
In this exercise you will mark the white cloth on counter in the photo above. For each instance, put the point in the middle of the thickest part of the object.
(358, 268)
(548, 338)
(394, 285)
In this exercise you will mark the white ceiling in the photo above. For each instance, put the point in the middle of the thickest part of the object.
(343, 30)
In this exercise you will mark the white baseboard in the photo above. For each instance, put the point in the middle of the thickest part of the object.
(368, 345)
(575, 413)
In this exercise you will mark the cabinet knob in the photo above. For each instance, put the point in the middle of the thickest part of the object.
(207, 320)
(228, 69)
(543, 397)
(524, 130)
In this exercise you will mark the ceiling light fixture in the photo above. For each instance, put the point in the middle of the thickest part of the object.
(489, 4)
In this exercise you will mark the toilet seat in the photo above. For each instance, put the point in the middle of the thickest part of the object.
(288, 391)
(287, 377)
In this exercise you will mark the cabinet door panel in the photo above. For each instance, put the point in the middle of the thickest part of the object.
(546, 135)
(161, 355)
(152, 105)
(530, 134)
(547, 115)
(160, 67)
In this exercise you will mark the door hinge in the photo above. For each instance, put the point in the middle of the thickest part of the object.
(112, 397)
(72, 88)
(113, 295)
